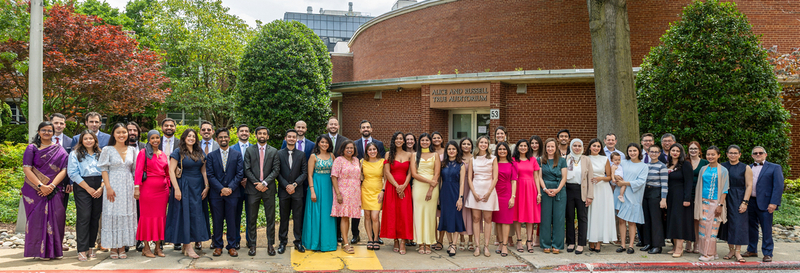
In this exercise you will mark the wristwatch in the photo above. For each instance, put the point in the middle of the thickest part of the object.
(39, 186)
(294, 184)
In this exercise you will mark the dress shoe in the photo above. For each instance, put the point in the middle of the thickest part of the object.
(233, 252)
(380, 241)
(767, 259)
(645, 248)
(64, 248)
(339, 239)
(237, 246)
(410, 244)
(640, 244)
(300, 248)
(654, 250)
(281, 248)
(217, 252)
(271, 251)
(198, 246)
(252, 251)
(139, 246)
(177, 247)
(750, 254)
(630, 250)
(355, 240)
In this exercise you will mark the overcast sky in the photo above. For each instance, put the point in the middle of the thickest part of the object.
(270, 10)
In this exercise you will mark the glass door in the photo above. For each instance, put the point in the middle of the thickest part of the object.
(468, 123)
(462, 126)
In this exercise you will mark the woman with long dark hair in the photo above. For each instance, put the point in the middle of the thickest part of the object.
(45, 167)
(425, 169)
(680, 223)
(117, 162)
(186, 221)
(397, 204)
(452, 195)
(411, 143)
(634, 178)
(85, 173)
(372, 194)
(506, 195)
(319, 228)
(466, 157)
(709, 204)
(152, 191)
(528, 208)
(601, 212)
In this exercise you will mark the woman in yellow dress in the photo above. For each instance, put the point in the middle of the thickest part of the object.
(425, 169)
(372, 194)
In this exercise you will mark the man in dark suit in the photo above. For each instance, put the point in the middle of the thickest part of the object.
(261, 166)
(225, 169)
(169, 142)
(666, 142)
(338, 140)
(243, 133)
(303, 144)
(294, 172)
(361, 144)
(92, 122)
(59, 124)
(765, 199)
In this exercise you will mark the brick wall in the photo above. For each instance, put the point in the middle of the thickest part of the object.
(343, 71)
(501, 35)
(548, 108)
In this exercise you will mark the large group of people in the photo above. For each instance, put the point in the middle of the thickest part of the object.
(414, 190)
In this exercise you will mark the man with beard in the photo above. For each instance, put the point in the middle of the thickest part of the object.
(243, 133)
(261, 166)
(563, 137)
(225, 169)
(361, 144)
(133, 135)
(207, 145)
(333, 132)
(293, 173)
(169, 142)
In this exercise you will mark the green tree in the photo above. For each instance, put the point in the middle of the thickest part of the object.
(203, 44)
(14, 25)
(284, 76)
(102, 9)
(136, 10)
(709, 80)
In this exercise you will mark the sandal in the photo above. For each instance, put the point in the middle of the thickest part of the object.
(402, 251)
(462, 246)
(347, 248)
(396, 247)
(438, 246)
(453, 247)
(546, 250)
(421, 249)
(730, 255)
(123, 255)
(427, 249)
(504, 252)
(739, 258)
(556, 251)
(470, 246)
(529, 245)
(376, 245)
(369, 245)
(114, 255)
(486, 251)
(520, 246)
(477, 252)
(82, 257)
(91, 253)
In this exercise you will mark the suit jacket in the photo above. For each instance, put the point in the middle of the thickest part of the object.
(228, 178)
(360, 148)
(298, 173)
(663, 158)
(174, 146)
(769, 187)
(340, 139)
(67, 145)
(272, 166)
(214, 146)
(238, 149)
(102, 140)
(308, 147)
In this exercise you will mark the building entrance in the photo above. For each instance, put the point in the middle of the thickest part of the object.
(468, 123)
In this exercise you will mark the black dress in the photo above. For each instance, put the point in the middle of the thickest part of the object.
(680, 219)
(735, 231)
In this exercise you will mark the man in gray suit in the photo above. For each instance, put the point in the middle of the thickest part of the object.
(261, 167)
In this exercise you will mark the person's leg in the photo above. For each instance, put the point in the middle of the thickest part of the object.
(506, 228)
(631, 234)
(765, 221)
(752, 222)
(96, 212)
(230, 205)
(218, 218)
(583, 224)
(354, 228)
(622, 229)
(546, 227)
(83, 217)
(345, 227)
(269, 212)
(253, 203)
(487, 227)
(368, 226)
(476, 226)
(571, 204)
(559, 219)
(645, 232)
(285, 204)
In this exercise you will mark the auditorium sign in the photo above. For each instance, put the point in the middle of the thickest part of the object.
(445, 96)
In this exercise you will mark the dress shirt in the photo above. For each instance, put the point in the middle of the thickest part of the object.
(756, 173)
(300, 143)
(261, 162)
(86, 168)
(207, 146)
(243, 147)
(169, 144)
(59, 139)
(333, 138)
(608, 153)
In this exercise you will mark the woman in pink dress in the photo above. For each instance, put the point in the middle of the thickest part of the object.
(527, 208)
(482, 196)
(346, 179)
(506, 195)
(466, 152)
(152, 165)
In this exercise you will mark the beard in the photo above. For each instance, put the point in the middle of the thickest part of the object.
(169, 133)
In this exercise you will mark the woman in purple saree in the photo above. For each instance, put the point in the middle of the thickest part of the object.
(45, 167)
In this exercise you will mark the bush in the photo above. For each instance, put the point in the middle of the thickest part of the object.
(285, 76)
(5, 113)
(11, 179)
(16, 133)
(791, 186)
(789, 212)
(709, 80)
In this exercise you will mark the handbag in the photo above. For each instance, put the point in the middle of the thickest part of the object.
(179, 170)
(144, 169)
(44, 180)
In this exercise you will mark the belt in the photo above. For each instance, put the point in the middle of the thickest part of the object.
(651, 187)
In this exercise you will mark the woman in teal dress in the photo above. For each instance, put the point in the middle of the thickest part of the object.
(319, 228)
(554, 199)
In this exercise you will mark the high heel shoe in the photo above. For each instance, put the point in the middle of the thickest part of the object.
(505, 250)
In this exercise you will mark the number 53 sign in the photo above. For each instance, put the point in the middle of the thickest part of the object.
(494, 114)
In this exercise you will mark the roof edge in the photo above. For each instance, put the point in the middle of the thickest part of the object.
(395, 13)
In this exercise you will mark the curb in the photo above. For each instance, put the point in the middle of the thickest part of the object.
(679, 266)
(127, 271)
(516, 267)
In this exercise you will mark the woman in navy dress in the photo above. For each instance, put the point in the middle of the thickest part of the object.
(680, 209)
(186, 221)
(451, 195)
(735, 231)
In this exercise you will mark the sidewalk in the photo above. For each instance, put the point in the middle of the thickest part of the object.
(786, 258)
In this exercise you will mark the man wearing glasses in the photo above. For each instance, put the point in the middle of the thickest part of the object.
(655, 200)
(208, 145)
(765, 199)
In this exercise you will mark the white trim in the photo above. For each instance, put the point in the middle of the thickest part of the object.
(474, 121)
(395, 13)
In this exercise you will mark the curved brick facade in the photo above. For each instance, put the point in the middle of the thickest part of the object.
(502, 35)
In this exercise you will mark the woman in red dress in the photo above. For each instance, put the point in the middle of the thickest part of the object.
(397, 215)
(152, 194)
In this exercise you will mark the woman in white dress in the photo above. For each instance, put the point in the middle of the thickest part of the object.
(601, 213)
(482, 197)
(117, 164)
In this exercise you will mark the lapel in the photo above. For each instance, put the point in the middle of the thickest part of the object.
(360, 147)
(230, 157)
(764, 171)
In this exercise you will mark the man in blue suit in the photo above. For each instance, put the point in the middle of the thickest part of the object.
(361, 144)
(225, 169)
(243, 133)
(59, 123)
(92, 122)
(765, 199)
(303, 144)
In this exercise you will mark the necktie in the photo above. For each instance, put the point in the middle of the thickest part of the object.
(300, 145)
(290, 159)
(243, 148)
(224, 160)
(261, 163)
(207, 144)
(365, 147)
(168, 145)
(58, 142)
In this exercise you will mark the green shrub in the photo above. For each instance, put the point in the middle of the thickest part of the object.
(709, 80)
(5, 113)
(16, 133)
(791, 186)
(11, 179)
(789, 212)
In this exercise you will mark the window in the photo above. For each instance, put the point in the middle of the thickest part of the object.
(16, 114)
(184, 118)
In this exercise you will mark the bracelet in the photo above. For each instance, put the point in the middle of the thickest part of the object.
(746, 202)
(383, 190)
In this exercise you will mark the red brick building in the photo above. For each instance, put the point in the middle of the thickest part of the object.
(443, 65)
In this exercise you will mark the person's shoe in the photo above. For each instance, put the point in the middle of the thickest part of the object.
(300, 248)
(654, 250)
(217, 252)
(380, 241)
(252, 251)
(621, 249)
(749, 254)
(281, 248)
(139, 246)
(640, 244)
(339, 239)
(233, 252)
(271, 251)
(198, 246)
(645, 248)
(411, 243)
(767, 259)
(237, 246)
(630, 250)
(355, 240)
(177, 247)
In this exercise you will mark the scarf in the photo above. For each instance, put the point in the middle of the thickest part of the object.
(149, 148)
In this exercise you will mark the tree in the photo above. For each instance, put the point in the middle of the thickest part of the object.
(203, 44)
(88, 66)
(108, 14)
(615, 95)
(14, 25)
(284, 76)
(709, 80)
(136, 10)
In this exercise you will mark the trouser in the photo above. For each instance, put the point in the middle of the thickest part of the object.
(574, 203)
(254, 201)
(223, 208)
(553, 218)
(652, 231)
(763, 218)
(242, 205)
(88, 212)
(291, 204)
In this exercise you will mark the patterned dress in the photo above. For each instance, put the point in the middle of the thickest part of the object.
(119, 217)
(348, 174)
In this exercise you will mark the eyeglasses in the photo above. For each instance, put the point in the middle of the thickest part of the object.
(759, 153)
(46, 131)
(654, 152)
(206, 130)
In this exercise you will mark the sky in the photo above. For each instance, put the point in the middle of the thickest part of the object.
(270, 10)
